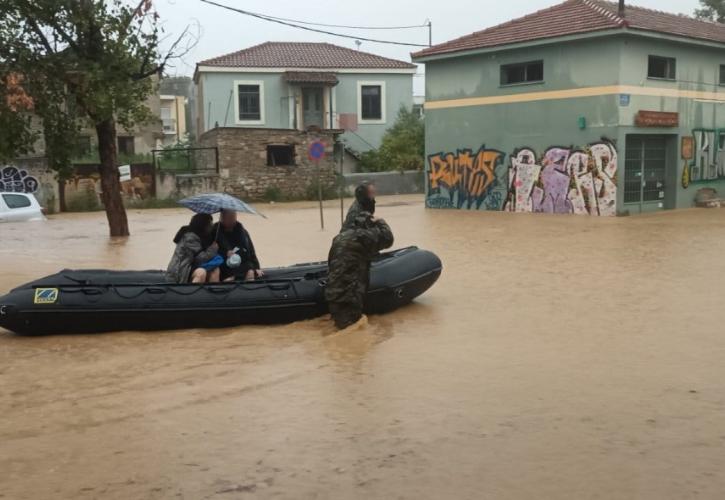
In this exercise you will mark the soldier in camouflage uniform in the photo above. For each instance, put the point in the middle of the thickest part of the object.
(349, 266)
(364, 201)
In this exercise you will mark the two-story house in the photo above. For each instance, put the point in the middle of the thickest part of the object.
(288, 85)
(587, 107)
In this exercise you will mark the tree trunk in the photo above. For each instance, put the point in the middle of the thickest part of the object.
(61, 195)
(110, 183)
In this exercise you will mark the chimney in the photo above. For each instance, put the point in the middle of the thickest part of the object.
(621, 9)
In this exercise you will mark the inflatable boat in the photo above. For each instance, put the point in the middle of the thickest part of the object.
(90, 301)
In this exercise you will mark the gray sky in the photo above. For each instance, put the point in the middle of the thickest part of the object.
(222, 31)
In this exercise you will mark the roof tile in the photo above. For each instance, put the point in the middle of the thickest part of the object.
(304, 55)
(580, 16)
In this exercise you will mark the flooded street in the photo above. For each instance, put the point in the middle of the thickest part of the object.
(557, 357)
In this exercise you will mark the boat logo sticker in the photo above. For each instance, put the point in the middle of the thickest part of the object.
(45, 296)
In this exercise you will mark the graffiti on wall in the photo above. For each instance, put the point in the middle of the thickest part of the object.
(15, 180)
(466, 179)
(564, 180)
(709, 161)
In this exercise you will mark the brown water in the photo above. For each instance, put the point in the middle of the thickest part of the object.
(557, 357)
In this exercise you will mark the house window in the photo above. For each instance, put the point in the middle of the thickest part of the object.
(371, 102)
(661, 67)
(280, 155)
(528, 72)
(250, 102)
(722, 74)
(126, 145)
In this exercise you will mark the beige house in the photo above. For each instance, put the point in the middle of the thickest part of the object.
(173, 119)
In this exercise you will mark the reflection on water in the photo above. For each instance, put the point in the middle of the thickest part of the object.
(557, 357)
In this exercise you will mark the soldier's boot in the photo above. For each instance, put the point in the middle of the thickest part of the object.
(345, 315)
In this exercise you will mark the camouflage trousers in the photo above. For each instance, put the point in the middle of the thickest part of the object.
(345, 314)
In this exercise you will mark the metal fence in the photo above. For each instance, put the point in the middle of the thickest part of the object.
(186, 160)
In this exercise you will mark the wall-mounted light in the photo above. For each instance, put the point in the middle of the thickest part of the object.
(582, 122)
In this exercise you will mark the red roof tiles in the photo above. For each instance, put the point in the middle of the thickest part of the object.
(304, 55)
(580, 16)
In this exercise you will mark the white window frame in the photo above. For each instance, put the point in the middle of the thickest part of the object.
(237, 83)
(383, 102)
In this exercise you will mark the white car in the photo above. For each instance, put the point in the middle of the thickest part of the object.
(16, 207)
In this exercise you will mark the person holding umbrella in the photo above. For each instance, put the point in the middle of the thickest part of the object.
(236, 250)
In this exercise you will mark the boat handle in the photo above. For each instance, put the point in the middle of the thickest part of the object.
(220, 289)
(279, 286)
(91, 291)
(156, 290)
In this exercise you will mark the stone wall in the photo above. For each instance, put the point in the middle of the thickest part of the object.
(406, 182)
(245, 170)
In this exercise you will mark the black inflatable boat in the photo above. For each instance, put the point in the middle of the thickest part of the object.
(92, 301)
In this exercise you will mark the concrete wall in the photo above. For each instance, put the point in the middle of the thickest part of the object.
(31, 175)
(174, 185)
(243, 162)
(502, 141)
(387, 183)
(216, 89)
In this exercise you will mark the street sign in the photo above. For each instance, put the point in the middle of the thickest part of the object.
(316, 151)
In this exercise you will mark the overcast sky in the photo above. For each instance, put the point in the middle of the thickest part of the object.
(221, 31)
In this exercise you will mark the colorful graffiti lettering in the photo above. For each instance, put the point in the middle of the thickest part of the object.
(466, 179)
(14, 180)
(564, 181)
(709, 161)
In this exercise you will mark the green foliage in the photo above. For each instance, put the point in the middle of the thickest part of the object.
(402, 147)
(273, 193)
(85, 63)
(329, 192)
(711, 10)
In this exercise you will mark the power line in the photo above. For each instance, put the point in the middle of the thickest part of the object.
(310, 23)
(293, 25)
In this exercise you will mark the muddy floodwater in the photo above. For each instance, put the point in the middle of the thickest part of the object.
(558, 357)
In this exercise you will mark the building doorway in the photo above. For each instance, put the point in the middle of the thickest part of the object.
(312, 112)
(647, 185)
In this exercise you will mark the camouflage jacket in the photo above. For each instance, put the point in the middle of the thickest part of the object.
(350, 256)
(353, 213)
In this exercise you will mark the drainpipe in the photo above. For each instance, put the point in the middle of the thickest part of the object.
(621, 9)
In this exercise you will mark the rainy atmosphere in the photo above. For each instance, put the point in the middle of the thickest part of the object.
(262, 250)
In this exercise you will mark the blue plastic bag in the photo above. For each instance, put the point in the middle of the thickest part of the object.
(212, 263)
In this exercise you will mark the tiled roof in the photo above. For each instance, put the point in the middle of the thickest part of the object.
(304, 55)
(310, 77)
(580, 16)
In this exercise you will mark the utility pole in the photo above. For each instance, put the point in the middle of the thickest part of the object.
(430, 33)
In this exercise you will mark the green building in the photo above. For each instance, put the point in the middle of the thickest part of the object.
(587, 107)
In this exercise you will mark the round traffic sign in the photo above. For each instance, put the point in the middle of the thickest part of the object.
(316, 151)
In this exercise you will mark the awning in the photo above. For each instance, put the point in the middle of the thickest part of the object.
(303, 77)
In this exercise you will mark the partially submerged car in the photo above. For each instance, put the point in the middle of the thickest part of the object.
(20, 207)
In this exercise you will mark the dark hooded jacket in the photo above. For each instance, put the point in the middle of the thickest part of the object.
(361, 204)
(349, 259)
(239, 238)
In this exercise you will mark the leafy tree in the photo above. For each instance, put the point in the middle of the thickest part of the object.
(86, 62)
(712, 10)
(16, 106)
(402, 147)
